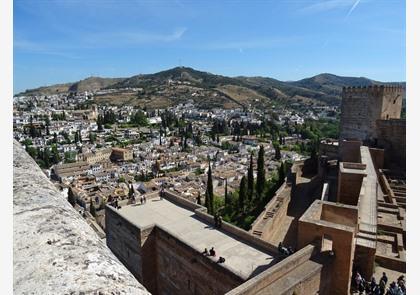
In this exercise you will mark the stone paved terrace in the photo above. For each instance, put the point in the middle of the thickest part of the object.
(54, 249)
(241, 258)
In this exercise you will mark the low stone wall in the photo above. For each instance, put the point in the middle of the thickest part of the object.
(182, 201)
(389, 196)
(239, 233)
(396, 264)
(54, 250)
(281, 270)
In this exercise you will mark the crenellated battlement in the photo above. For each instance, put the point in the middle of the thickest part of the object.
(373, 89)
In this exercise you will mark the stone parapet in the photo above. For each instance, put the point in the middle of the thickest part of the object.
(54, 250)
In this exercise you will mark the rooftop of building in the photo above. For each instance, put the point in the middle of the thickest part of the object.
(241, 258)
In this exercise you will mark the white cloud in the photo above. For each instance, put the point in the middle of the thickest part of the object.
(353, 7)
(322, 6)
(327, 5)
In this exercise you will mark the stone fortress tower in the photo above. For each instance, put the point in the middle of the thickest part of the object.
(362, 107)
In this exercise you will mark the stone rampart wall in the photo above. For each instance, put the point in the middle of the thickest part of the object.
(163, 263)
(54, 249)
(392, 137)
(273, 214)
(279, 277)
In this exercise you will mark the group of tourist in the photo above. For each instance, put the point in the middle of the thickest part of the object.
(285, 251)
(134, 201)
(142, 200)
(363, 286)
(217, 221)
(209, 253)
(212, 253)
(115, 204)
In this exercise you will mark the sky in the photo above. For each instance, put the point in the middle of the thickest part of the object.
(69, 40)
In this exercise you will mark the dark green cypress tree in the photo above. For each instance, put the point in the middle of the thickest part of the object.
(76, 137)
(100, 122)
(199, 199)
(131, 192)
(209, 192)
(55, 154)
(277, 155)
(250, 189)
(32, 130)
(281, 174)
(207, 201)
(242, 193)
(91, 138)
(227, 201)
(46, 157)
(260, 172)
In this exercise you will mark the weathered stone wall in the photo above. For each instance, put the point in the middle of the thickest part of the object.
(339, 213)
(163, 263)
(342, 246)
(392, 138)
(329, 149)
(297, 274)
(273, 214)
(378, 157)
(349, 186)
(124, 239)
(312, 228)
(278, 218)
(362, 106)
(183, 270)
(54, 250)
(349, 151)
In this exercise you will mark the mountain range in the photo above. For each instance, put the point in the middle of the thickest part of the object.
(208, 90)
